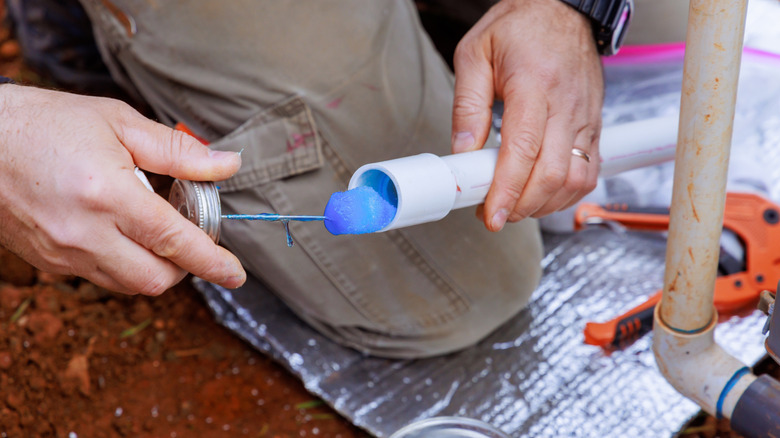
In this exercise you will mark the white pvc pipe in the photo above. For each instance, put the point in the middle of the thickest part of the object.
(425, 187)
(685, 320)
(637, 144)
(710, 76)
(144, 180)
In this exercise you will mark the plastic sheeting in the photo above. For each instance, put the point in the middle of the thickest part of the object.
(534, 376)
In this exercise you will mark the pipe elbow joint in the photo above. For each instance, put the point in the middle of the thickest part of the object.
(699, 368)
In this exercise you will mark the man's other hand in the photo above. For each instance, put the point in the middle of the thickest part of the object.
(71, 204)
(539, 57)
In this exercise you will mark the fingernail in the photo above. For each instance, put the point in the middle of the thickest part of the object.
(462, 142)
(223, 155)
(499, 219)
(234, 281)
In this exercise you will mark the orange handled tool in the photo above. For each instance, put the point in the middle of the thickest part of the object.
(756, 222)
(185, 129)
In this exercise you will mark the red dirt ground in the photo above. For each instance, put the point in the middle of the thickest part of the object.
(75, 358)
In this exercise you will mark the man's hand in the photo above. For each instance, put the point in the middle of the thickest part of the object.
(539, 57)
(71, 204)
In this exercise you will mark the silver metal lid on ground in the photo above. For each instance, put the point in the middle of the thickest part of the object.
(449, 427)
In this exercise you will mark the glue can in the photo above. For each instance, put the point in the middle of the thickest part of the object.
(199, 202)
(449, 427)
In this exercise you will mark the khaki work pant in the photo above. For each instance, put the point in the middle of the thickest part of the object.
(313, 89)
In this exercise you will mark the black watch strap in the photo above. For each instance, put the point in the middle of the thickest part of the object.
(609, 21)
(5, 80)
(597, 10)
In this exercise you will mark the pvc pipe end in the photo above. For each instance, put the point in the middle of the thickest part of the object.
(421, 188)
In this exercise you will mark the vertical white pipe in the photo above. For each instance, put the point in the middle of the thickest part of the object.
(683, 338)
(712, 58)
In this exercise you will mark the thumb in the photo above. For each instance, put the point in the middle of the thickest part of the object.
(160, 149)
(472, 107)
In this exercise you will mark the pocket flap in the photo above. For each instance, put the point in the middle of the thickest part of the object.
(278, 142)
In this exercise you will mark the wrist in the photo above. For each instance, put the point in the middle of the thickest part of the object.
(557, 16)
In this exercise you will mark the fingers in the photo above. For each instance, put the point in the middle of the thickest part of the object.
(573, 182)
(105, 281)
(154, 224)
(593, 169)
(130, 268)
(522, 134)
(537, 174)
(159, 149)
(550, 171)
(94, 248)
(472, 107)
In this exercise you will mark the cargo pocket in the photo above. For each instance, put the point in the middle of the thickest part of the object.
(364, 291)
(298, 148)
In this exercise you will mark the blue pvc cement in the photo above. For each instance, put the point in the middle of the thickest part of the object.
(357, 211)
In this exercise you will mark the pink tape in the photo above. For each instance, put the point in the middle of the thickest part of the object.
(668, 52)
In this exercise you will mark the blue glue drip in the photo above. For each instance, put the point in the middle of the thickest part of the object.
(358, 211)
(290, 242)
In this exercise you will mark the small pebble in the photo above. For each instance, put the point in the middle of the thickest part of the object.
(5, 360)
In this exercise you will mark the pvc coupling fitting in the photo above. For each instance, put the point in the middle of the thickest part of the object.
(424, 188)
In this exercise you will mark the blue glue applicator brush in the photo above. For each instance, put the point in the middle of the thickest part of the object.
(358, 211)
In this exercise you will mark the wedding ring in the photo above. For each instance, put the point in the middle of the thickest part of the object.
(580, 153)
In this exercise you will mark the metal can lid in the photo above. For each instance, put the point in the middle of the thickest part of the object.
(198, 201)
(449, 427)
